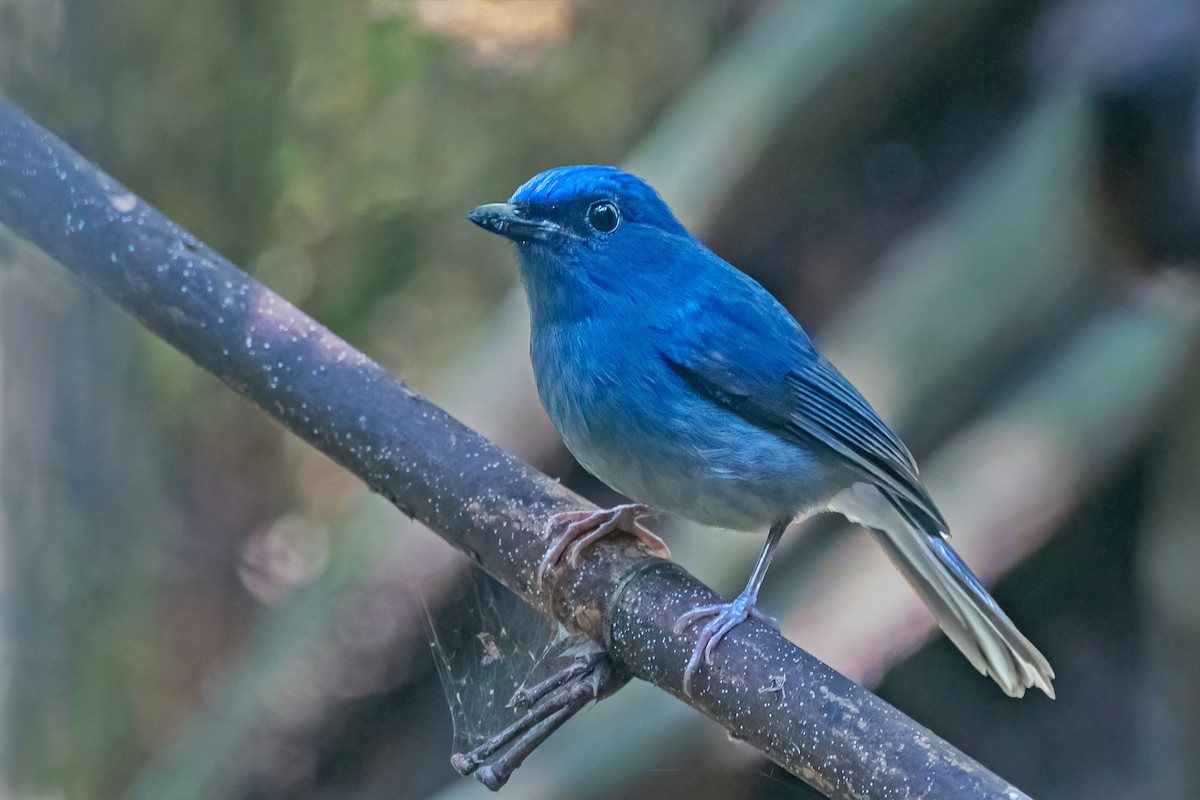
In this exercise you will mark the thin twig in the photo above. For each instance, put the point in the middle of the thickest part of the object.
(548, 705)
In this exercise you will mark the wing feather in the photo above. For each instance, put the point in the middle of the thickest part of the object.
(771, 376)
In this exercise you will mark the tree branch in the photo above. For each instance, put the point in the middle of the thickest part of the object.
(830, 732)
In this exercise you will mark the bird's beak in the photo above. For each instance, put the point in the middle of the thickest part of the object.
(508, 220)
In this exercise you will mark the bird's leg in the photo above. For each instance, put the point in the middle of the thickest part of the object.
(584, 528)
(727, 616)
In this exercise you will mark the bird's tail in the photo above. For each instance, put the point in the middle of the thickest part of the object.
(964, 609)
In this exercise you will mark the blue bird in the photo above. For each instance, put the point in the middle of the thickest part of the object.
(683, 384)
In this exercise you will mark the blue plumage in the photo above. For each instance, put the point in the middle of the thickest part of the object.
(683, 384)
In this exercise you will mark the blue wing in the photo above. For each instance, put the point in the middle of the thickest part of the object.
(743, 352)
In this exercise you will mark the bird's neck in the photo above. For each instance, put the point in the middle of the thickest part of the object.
(554, 289)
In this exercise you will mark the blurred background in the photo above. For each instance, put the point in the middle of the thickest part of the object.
(987, 213)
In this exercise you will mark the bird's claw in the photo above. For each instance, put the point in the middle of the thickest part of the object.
(725, 617)
(584, 528)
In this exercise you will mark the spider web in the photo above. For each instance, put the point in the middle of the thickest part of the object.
(486, 644)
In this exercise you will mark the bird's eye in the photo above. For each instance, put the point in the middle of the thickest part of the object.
(603, 216)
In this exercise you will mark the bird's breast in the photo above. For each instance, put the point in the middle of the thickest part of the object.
(633, 423)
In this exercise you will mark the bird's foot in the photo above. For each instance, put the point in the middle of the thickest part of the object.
(725, 617)
(584, 528)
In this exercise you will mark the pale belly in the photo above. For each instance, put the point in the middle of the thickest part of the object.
(680, 454)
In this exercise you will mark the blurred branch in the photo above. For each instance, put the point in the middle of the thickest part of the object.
(1169, 552)
(825, 729)
(1141, 59)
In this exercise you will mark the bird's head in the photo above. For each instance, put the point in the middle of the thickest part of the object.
(584, 228)
(577, 207)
